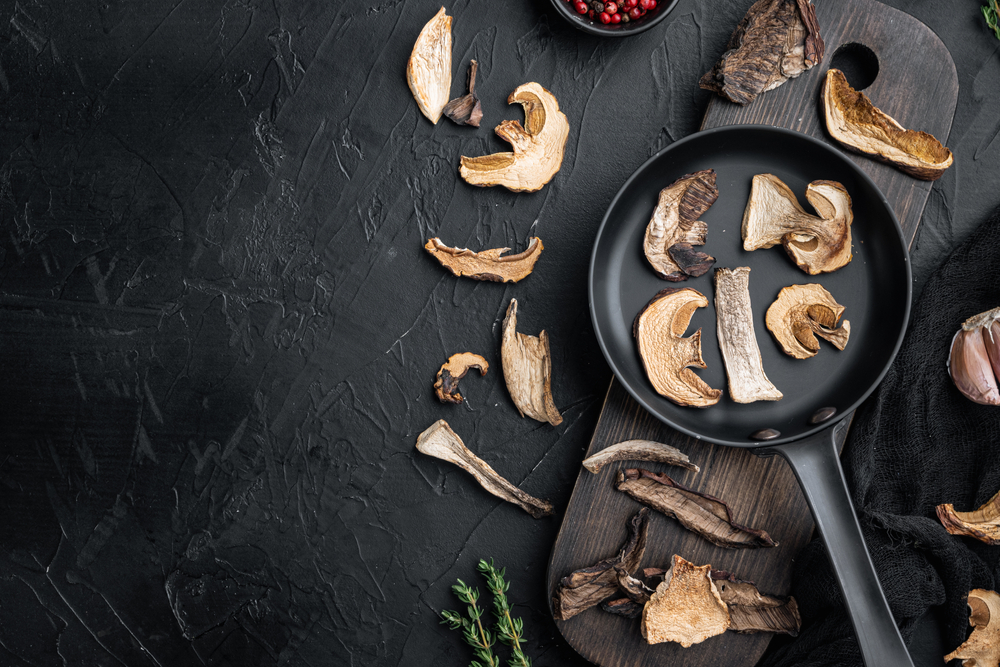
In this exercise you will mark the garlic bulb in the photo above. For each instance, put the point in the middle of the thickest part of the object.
(974, 360)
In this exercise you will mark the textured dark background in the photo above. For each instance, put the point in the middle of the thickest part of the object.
(219, 330)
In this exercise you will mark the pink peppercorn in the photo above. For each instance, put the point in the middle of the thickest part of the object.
(604, 17)
(581, 7)
(634, 13)
(616, 18)
(610, 7)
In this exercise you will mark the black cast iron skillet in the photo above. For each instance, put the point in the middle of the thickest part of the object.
(874, 288)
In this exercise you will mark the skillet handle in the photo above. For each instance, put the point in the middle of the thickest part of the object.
(817, 466)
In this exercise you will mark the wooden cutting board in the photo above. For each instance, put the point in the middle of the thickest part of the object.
(917, 84)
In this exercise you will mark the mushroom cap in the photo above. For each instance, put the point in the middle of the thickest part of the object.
(675, 221)
(802, 312)
(686, 608)
(428, 71)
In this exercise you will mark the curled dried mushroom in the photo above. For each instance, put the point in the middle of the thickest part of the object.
(751, 611)
(491, 265)
(855, 122)
(527, 370)
(982, 648)
(537, 147)
(428, 71)
(802, 312)
(686, 608)
(639, 450)
(674, 227)
(982, 524)
(466, 110)
(817, 244)
(453, 370)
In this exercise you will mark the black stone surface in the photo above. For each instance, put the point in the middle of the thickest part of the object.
(219, 330)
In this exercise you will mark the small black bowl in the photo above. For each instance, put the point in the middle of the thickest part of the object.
(595, 27)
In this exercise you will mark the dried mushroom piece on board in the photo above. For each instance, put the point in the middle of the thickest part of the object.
(428, 72)
(698, 512)
(740, 353)
(453, 370)
(855, 122)
(639, 450)
(751, 611)
(491, 265)
(777, 40)
(686, 607)
(982, 524)
(982, 648)
(443, 443)
(527, 370)
(537, 147)
(587, 587)
(666, 354)
(817, 244)
(802, 312)
(675, 223)
(623, 607)
(466, 110)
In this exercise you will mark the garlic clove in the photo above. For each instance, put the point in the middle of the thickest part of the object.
(991, 338)
(974, 361)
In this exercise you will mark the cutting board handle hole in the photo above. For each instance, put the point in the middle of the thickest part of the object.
(858, 63)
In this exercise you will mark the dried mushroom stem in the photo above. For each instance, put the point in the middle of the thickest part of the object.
(674, 227)
(491, 265)
(453, 370)
(527, 370)
(466, 110)
(802, 312)
(982, 648)
(686, 608)
(443, 443)
(428, 71)
(751, 611)
(982, 524)
(639, 450)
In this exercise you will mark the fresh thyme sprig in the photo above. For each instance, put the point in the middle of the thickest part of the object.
(510, 630)
(475, 635)
(991, 12)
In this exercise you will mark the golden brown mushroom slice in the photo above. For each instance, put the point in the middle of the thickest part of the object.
(982, 524)
(817, 244)
(686, 607)
(855, 122)
(490, 265)
(428, 71)
(453, 370)
(666, 354)
(982, 648)
(737, 339)
(527, 370)
(674, 227)
(802, 312)
(537, 147)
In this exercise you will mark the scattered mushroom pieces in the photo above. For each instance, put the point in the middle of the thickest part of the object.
(443, 443)
(698, 512)
(855, 122)
(982, 524)
(686, 608)
(666, 354)
(674, 227)
(466, 110)
(587, 587)
(802, 312)
(817, 244)
(639, 450)
(428, 71)
(777, 40)
(491, 265)
(751, 611)
(453, 370)
(982, 648)
(527, 370)
(537, 147)
(744, 366)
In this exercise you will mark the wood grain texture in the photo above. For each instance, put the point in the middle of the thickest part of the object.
(917, 85)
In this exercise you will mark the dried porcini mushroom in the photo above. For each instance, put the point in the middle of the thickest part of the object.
(982, 648)
(855, 122)
(686, 607)
(674, 227)
(527, 370)
(453, 370)
(744, 366)
(666, 354)
(622, 607)
(639, 450)
(428, 71)
(982, 524)
(817, 244)
(974, 359)
(802, 312)
(491, 265)
(751, 611)
(466, 110)
(698, 512)
(587, 587)
(632, 587)
(443, 443)
(777, 40)
(537, 147)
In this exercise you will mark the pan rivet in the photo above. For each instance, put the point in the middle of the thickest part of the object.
(822, 415)
(765, 434)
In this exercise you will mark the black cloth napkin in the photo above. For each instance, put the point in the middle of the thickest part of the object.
(916, 443)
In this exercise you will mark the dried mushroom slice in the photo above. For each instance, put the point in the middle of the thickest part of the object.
(817, 244)
(802, 312)
(453, 370)
(666, 354)
(737, 340)
(639, 450)
(491, 265)
(675, 223)
(537, 147)
(623, 607)
(982, 648)
(751, 611)
(686, 607)
(466, 110)
(855, 122)
(777, 40)
(428, 72)
(982, 524)
(443, 443)
(527, 370)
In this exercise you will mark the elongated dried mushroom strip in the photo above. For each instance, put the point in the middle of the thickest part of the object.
(686, 607)
(751, 611)
(587, 587)
(698, 512)
(428, 71)
(982, 648)
(623, 607)
(982, 524)
(527, 370)
(443, 443)
(491, 265)
(744, 366)
(675, 222)
(802, 312)
(639, 450)
(453, 370)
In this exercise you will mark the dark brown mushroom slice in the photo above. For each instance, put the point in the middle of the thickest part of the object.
(490, 265)
(692, 262)
(675, 221)
(587, 587)
(466, 110)
(751, 611)
(698, 512)
(639, 450)
(453, 370)
(623, 607)
(632, 587)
